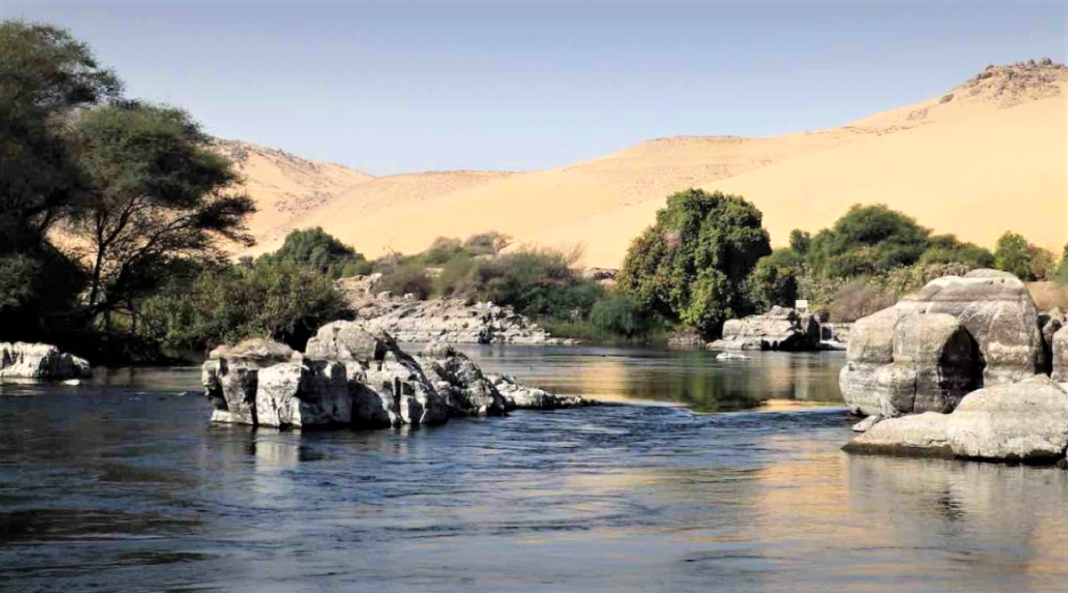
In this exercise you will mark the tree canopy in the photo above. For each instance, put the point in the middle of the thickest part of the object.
(691, 265)
(320, 250)
(868, 239)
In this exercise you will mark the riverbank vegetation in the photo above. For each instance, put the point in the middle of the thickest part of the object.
(118, 221)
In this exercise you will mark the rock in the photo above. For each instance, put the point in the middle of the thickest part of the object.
(779, 329)
(866, 424)
(954, 335)
(1060, 356)
(731, 356)
(22, 360)
(997, 311)
(918, 435)
(346, 341)
(446, 320)
(470, 393)
(1025, 421)
(518, 396)
(298, 394)
(231, 375)
(1050, 323)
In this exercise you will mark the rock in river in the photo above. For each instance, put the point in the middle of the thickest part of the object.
(780, 328)
(21, 360)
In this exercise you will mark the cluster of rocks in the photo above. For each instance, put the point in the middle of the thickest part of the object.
(355, 374)
(454, 321)
(21, 360)
(781, 328)
(965, 367)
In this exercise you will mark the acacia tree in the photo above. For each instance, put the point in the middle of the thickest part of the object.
(159, 196)
(45, 77)
(692, 264)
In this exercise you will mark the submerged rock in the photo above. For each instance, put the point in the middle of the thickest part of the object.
(519, 396)
(780, 328)
(23, 360)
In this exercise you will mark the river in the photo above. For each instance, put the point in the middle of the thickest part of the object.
(120, 485)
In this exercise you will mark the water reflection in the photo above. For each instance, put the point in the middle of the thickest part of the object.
(693, 378)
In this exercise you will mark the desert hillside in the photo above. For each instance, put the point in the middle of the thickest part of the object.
(986, 156)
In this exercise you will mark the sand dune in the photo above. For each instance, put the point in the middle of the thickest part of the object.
(986, 156)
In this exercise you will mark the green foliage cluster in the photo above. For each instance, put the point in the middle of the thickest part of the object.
(692, 264)
(224, 305)
(319, 250)
(1028, 262)
(134, 186)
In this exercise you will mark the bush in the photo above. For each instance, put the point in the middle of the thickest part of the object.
(774, 280)
(946, 249)
(620, 315)
(1013, 255)
(866, 240)
(406, 278)
(284, 302)
(692, 264)
(859, 299)
(321, 251)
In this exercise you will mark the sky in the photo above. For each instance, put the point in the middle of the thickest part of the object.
(393, 87)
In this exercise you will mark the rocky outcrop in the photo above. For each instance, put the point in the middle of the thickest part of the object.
(953, 336)
(353, 374)
(1059, 346)
(22, 360)
(908, 364)
(780, 328)
(518, 396)
(997, 311)
(443, 320)
(1025, 421)
(469, 392)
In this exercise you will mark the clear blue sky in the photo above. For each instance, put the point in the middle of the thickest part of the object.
(392, 87)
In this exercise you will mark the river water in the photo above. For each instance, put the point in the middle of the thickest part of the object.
(120, 485)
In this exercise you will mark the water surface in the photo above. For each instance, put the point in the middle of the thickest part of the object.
(120, 485)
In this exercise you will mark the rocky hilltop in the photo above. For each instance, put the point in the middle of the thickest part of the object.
(454, 321)
(355, 375)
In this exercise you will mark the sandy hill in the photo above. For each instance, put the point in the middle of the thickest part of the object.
(984, 157)
(283, 185)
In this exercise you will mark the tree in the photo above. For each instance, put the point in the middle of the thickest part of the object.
(691, 265)
(800, 241)
(775, 280)
(159, 195)
(947, 249)
(1013, 254)
(867, 239)
(45, 77)
(224, 305)
(1061, 275)
(319, 250)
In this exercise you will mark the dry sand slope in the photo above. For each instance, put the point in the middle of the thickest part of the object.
(992, 157)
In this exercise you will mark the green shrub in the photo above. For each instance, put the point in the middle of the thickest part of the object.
(406, 278)
(775, 280)
(866, 240)
(692, 264)
(321, 251)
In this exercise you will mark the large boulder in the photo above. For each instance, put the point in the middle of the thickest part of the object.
(1025, 421)
(470, 393)
(780, 328)
(1059, 347)
(21, 360)
(904, 364)
(997, 311)
(231, 376)
(308, 393)
(954, 335)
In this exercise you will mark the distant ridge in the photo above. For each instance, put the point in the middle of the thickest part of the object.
(988, 155)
